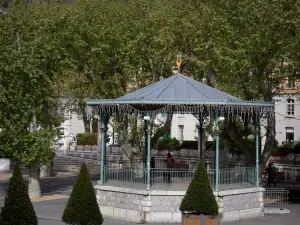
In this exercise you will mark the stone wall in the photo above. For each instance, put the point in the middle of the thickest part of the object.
(123, 203)
(240, 204)
(163, 206)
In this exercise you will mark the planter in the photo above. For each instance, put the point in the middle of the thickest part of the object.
(192, 219)
(4, 164)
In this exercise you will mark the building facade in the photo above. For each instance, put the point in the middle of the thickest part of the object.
(287, 112)
(184, 127)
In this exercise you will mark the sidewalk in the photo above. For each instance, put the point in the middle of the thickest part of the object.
(51, 211)
(5, 176)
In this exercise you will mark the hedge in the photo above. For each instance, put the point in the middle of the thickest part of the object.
(87, 139)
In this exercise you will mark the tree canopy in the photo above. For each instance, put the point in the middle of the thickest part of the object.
(103, 49)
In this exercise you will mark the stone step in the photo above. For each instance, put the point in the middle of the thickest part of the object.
(67, 164)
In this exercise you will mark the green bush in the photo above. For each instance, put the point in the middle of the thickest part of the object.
(87, 139)
(285, 148)
(82, 207)
(199, 198)
(296, 149)
(5, 154)
(17, 209)
(210, 145)
(168, 143)
(189, 145)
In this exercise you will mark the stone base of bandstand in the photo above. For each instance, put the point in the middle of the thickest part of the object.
(163, 206)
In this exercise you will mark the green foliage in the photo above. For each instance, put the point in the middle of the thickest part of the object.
(31, 62)
(103, 49)
(137, 134)
(296, 149)
(161, 132)
(199, 198)
(210, 145)
(5, 154)
(27, 146)
(189, 145)
(285, 148)
(168, 143)
(87, 139)
(82, 207)
(17, 209)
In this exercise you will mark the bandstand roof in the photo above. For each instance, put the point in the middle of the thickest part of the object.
(178, 88)
(179, 94)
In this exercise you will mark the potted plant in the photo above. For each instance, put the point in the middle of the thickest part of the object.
(82, 207)
(199, 205)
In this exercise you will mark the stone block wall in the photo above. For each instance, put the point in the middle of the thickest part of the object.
(240, 204)
(163, 206)
(122, 203)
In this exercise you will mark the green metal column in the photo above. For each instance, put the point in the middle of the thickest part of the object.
(217, 152)
(257, 152)
(246, 148)
(105, 137)
(149, 128)
(103, 148)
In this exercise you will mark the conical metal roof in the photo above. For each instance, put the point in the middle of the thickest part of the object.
(179, 88)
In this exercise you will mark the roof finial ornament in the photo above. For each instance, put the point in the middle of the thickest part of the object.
(179, 61)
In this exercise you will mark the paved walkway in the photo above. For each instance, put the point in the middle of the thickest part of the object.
(49, 212)
(50, 185)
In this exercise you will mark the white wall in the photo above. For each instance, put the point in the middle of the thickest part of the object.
(72, 125)
(75, 124)
(284, 120)
(189, 122)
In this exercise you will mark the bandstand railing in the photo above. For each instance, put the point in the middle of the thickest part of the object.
(178, 179)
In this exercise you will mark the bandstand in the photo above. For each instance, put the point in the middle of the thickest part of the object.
(143, 194)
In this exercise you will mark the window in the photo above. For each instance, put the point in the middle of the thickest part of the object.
(61, 131)
(290, 106)
(289, 134)
(290, 83)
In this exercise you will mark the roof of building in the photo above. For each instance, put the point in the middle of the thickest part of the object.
(180, 94)
(179, 87)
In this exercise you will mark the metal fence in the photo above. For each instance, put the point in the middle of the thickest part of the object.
(291, 174)
(237, 177)
(192, 163)
(177, 179)
(276, 200)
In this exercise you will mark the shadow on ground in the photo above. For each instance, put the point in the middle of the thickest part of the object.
(52, 185)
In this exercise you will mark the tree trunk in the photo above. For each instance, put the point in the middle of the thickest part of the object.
(269, 144)
(234, 132)
(34, 189)
(46, 170)
(82, 111)
(86, 124)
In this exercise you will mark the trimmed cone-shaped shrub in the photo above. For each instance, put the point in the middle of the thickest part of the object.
(82, 207)
(17, 209)
(199, 198)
